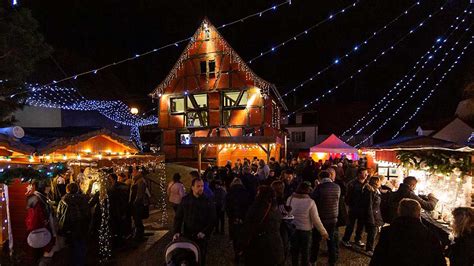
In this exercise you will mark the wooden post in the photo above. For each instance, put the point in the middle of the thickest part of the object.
(268, 153)
(199, 159)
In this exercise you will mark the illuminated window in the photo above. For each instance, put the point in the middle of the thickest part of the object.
(177, 105)
(184, 138)
(197, 101)
(235, 99)
(197, 119)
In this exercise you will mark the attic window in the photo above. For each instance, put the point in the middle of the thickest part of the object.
(207, 32)
(208, 67)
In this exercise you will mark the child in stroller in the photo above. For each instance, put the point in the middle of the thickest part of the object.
(182, 252)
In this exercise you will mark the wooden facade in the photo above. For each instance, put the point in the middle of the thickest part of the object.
(211, 92)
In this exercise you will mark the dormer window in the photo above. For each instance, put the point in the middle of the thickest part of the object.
(207, 32)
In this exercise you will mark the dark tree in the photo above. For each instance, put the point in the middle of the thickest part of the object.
(21, 47)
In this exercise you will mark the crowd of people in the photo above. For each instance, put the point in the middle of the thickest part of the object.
(69, 208)
(283, 210)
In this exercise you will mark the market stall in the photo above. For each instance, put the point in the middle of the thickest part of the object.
(441, 167)
(333, 147)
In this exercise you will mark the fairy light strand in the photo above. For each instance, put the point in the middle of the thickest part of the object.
(361, 69)
(430, 55)
(354, 49)
(304, 32)
(172, 44)
(387, 120)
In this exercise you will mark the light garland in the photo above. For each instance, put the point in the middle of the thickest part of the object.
(355, 48)
(162, 203)
(424, 100)
(304, 32)
(421, 85)
(361, 69)
(105, 236)
(430, 55)
(172, 44)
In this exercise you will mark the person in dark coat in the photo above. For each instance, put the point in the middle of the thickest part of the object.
(260, 241)
(237, 202)
(249, 181)
(74, 216)
(219, 200)
(119, 214)
(196, 217)
(353, 201)
(288, 177)
(326, 195)
(461, 252)
(372, 215)
(385, 192)
(407, 241)
(406, 190)
(342, 218)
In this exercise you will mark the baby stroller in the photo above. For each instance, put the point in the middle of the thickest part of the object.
(182, 252)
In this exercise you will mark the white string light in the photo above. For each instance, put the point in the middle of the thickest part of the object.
(172, 44)
(429, 56)
(355, 48)
(420, 86)
(427, 98)
(361, 69)
(304, 32)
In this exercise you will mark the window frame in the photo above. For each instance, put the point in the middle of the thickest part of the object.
(178, 112)
(239, 98)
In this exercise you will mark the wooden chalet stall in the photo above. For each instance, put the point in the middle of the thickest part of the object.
(212, 94)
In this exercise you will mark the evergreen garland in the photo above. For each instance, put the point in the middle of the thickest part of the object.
(27, 174)
(436, 161)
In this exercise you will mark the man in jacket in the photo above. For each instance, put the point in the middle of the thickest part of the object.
(326, 195)
(137, 203)
(407, 241)
(196, 217)
(407, 190)
(250, 182)
(353, 201)
(74, 217)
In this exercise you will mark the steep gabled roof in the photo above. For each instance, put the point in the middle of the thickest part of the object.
(228, 50)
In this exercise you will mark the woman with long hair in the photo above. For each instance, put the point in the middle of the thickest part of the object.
(462, 251)
(260, 241)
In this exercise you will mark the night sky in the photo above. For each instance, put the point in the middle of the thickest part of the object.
(88, 34)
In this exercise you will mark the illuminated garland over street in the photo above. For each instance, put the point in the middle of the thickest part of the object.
(364, 67)
(439, 43)
(456, 61)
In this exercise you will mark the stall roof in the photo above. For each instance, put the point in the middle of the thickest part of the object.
(15, 145)
(419, 142)
(235, 140)
(333, 145)
(46, 140)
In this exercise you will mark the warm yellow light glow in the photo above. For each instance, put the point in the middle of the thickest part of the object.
(134, 110)
(64, 157)
(48, 157)
(87, 151)
(78, 156)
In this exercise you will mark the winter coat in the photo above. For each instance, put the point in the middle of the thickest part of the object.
(74, 216)
(219, 198)
(237, 202)
(384, 204)
(305, 212)
(290, 188)
(371, 203)
(263, 172)
(326, 195)
(350, 173)
(260, 238)
(342, 217)
(407, 242)
(461, 253)
(195, 215)
(353, 197)
(175, 192)
(251, 183)
(405, 192)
